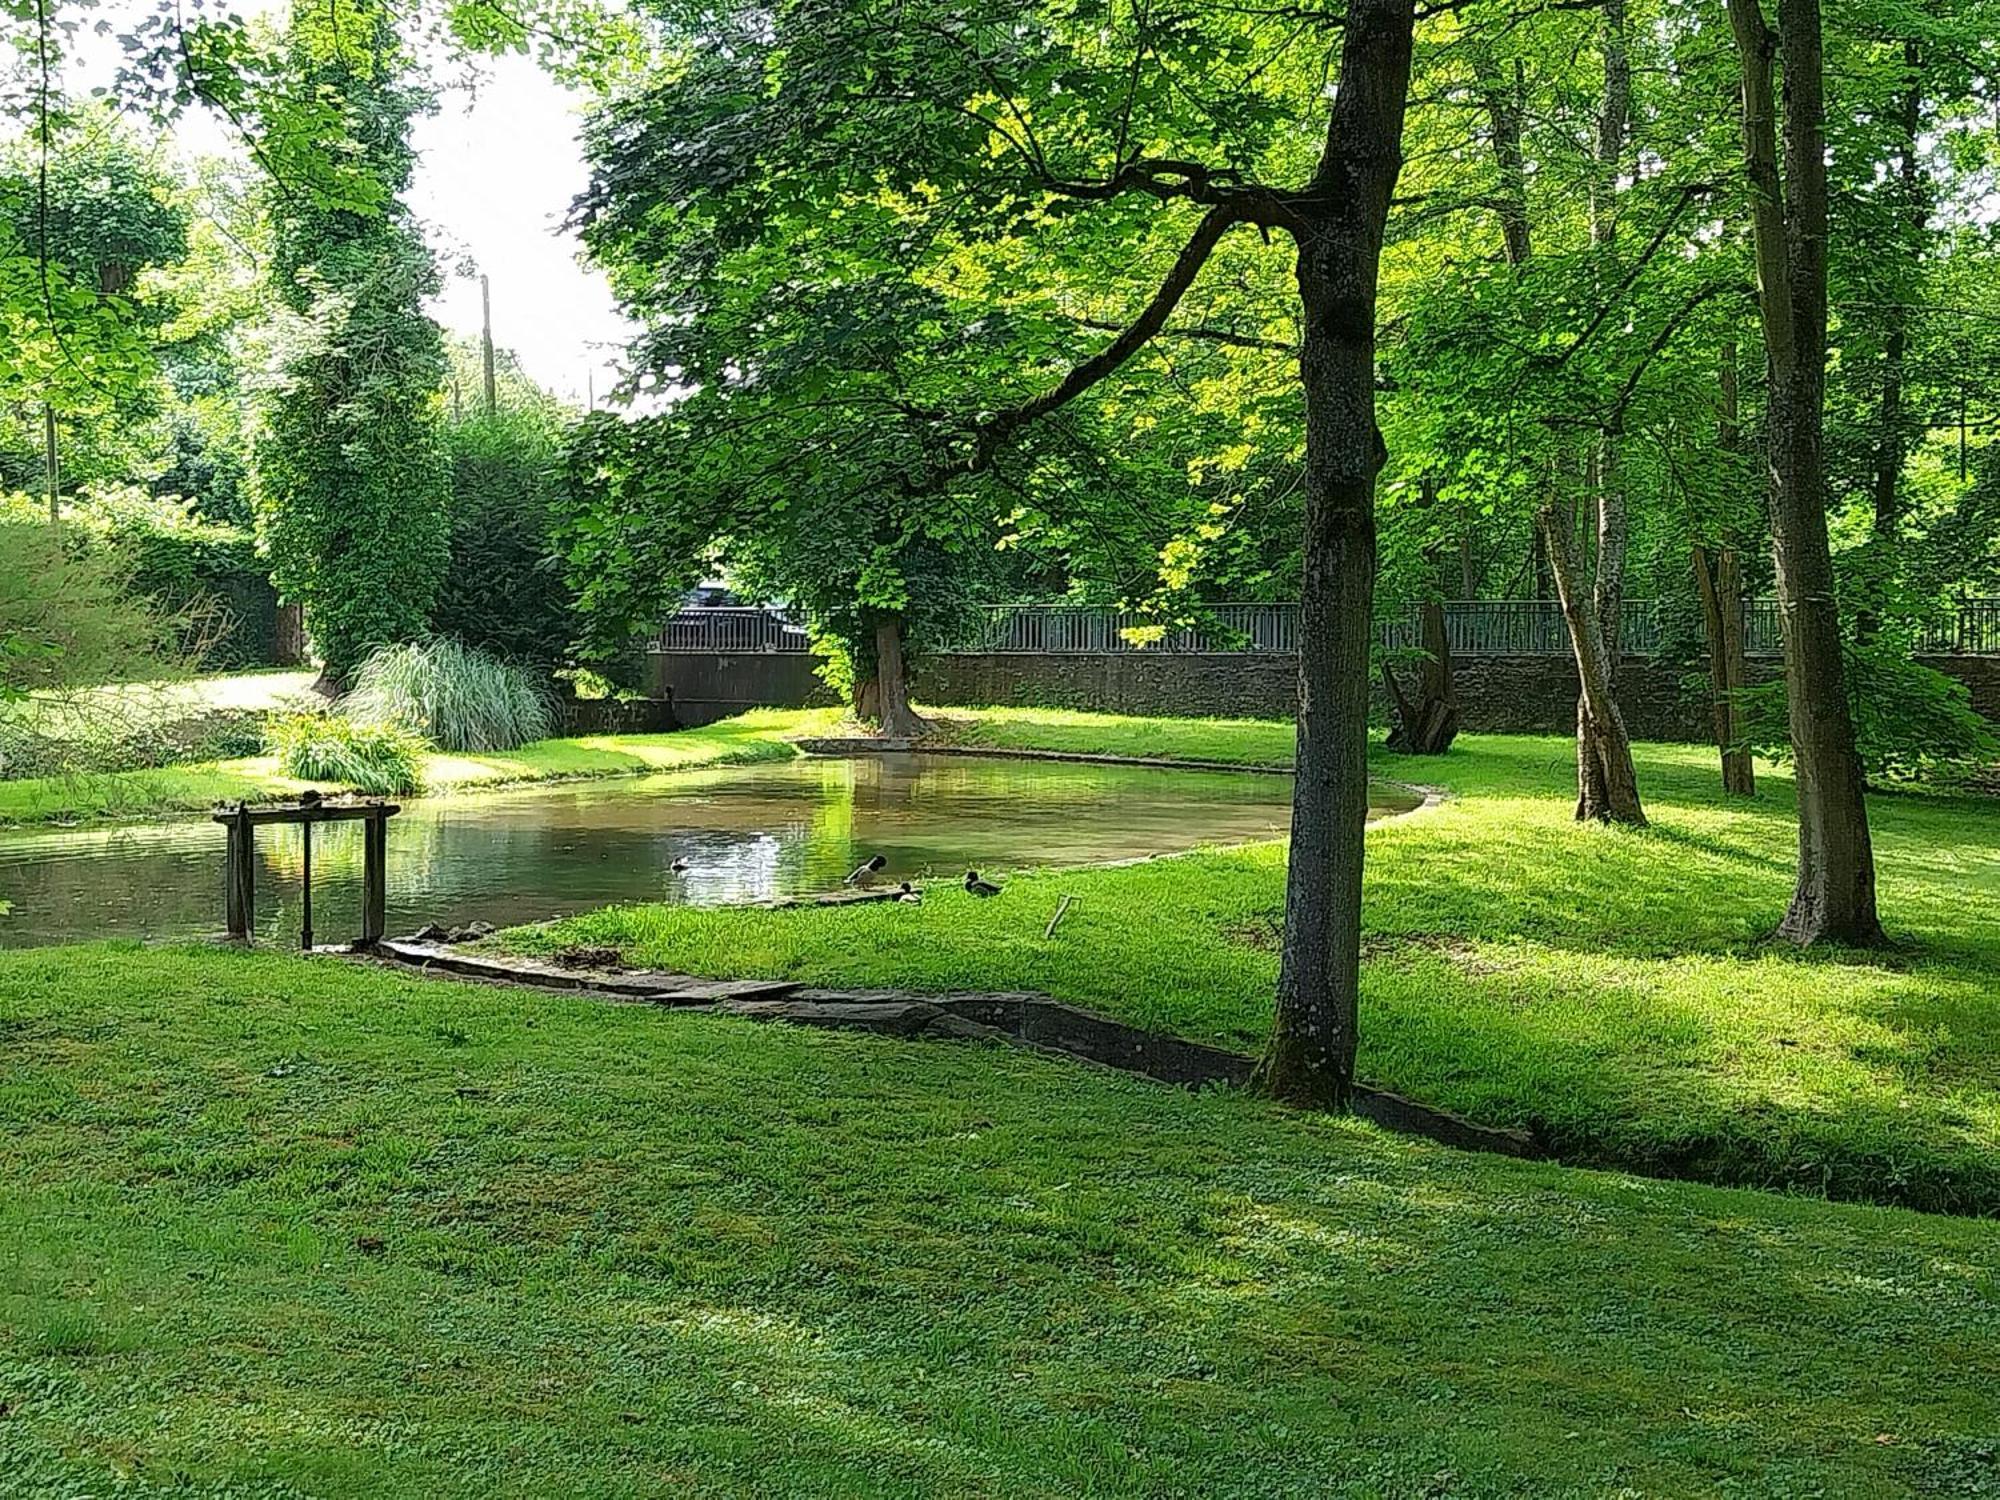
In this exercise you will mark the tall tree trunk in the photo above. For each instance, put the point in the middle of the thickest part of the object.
(1310, 1057)
(1834, 899)
(893, 714)
(1604, 767)
(1504, 109)
(1607, 783)
(1719, 578)
(1430, 724)
(1720, 581)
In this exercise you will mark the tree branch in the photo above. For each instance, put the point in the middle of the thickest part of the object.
(991, 433)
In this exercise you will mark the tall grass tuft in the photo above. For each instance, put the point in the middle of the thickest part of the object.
(378, 759)
(456, 697)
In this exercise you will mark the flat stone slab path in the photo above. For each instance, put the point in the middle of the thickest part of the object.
(1020, 1019)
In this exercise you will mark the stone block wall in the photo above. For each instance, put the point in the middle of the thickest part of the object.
(1497, 694)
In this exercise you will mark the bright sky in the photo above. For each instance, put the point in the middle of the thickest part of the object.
(498, 170)
(499, 164)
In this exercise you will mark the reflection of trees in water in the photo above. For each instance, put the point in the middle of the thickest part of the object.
(748, 833)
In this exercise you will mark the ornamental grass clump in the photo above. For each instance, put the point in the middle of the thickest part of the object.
(379, 759)
(456, 697)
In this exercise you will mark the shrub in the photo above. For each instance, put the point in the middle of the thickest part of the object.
(1911, 722)
(375, 758)
(207, 576)
(454, 696)
(505, 591)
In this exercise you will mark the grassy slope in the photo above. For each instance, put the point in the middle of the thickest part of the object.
(282, 1227)
(756, 736)
(1606, 986)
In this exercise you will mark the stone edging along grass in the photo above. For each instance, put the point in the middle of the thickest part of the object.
(1020, 1019)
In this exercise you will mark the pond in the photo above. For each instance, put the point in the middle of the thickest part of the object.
(743, 833)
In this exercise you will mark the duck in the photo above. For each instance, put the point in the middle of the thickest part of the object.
(908, 896)
(974, 886)
(866, 872)
(679, 867)
(312, 796)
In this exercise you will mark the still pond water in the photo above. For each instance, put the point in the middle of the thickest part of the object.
(746, 833)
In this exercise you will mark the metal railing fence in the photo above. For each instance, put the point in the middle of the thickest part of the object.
(1476, 627)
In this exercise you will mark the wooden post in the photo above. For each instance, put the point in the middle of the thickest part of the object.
(306, 888)
(239, 878)
(374, 878)
(239, 889)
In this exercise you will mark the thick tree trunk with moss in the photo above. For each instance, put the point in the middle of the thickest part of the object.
(885, 696)
(1310, 1057)
(1834, 898)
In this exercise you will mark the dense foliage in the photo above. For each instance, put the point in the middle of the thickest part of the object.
(504, 589)
(352, 474)
(379, 759)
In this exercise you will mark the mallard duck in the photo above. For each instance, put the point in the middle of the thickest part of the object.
(865, 873)
(312, 796)
(974, 886)
(908, 896)
(679, 867)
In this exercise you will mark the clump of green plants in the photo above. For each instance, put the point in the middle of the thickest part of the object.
(374, 758)
(453, 695)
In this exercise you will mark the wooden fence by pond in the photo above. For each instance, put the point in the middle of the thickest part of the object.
(1476, 627)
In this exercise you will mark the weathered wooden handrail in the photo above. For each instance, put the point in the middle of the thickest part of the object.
(239, 890)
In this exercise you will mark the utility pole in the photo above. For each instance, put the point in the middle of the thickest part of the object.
(51, 464)
(486, 310)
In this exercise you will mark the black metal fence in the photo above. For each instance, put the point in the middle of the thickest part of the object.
(1476, 627)
(732, 632)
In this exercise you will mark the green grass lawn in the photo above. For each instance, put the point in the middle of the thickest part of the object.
(1609, 988)
(283, 1227)
(133, 794)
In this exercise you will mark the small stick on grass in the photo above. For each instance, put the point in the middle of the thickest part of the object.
(1061, 907)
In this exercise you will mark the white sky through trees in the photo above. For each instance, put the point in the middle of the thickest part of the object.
(498, 164)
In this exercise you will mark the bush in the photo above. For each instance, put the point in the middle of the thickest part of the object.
(113, 730)
(1911, 722)
(505, 591)
(454, 696)
(374, 758)
(207, 576)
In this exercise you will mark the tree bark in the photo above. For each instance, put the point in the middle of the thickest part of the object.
(1607, 783)
(1834, 899)
(1504, 109)
(1720, 581)
(1310, 1057)
(892, 711)
(1430, 724)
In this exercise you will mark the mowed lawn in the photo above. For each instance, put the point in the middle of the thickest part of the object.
(1610, 988)
(272, 1226)
(192, 788)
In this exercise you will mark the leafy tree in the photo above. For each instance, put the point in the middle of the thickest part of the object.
(928, 145)
(352, 479)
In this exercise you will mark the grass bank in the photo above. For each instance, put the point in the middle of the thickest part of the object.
(173, 789)
(286, 1227)
(1607, 988)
